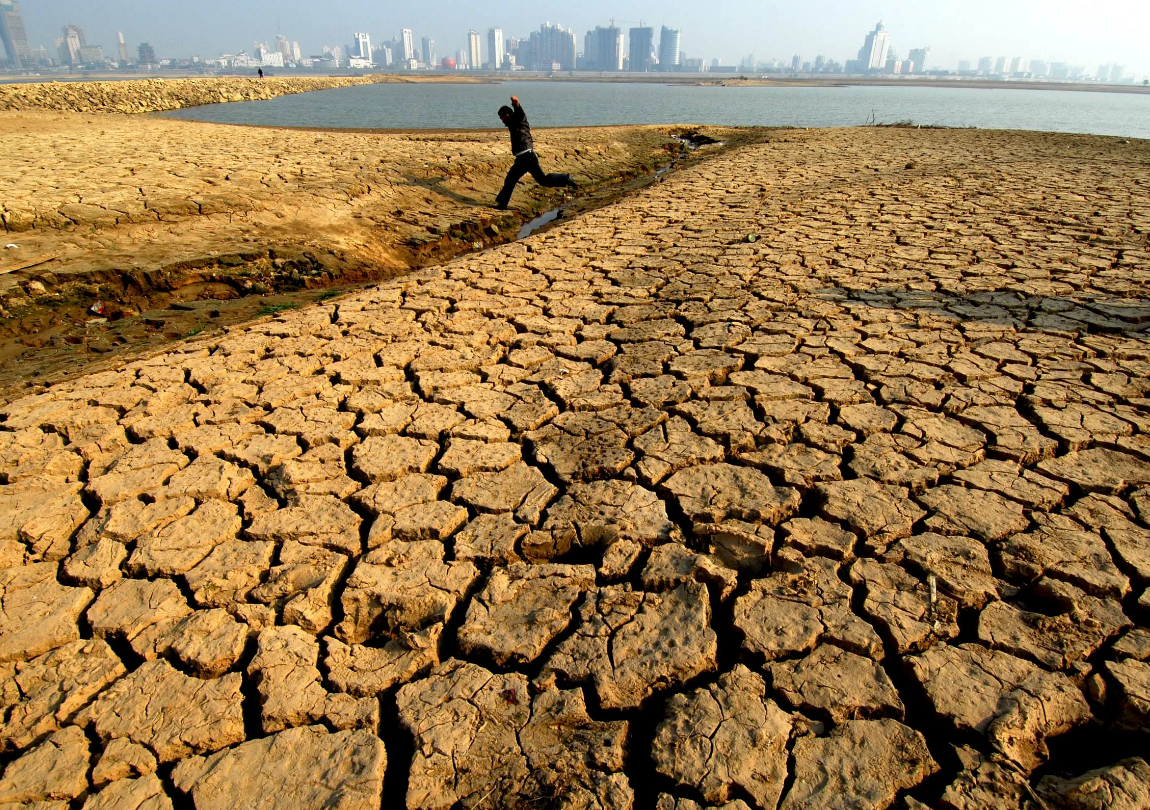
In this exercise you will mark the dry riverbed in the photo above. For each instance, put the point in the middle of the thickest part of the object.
(815, 476)
(170, 228)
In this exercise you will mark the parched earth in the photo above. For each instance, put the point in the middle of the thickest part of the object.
(168, 227)
(817, 476)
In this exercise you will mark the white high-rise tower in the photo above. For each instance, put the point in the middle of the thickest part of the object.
(362, 46)
(495, 49)
(875, 49)
(474, 51)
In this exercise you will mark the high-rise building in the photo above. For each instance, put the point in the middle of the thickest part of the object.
(642, 50)
(69, 44)
(875, 51)
(551, 45)
(461, 59)
(361, 46)
(1000, 65)
(296, 53)
(408, 45)
(820, 63)
(796, 63)
(918, 57)
(670, 54)
(603, 49)
(965, 66)
(283, 46)
(1015, 65)
(13, 35)
(986, 65)
(1116, 72)
(428, 47)
(121, 46)
(474, 50)
(589, 60)
(495, 49)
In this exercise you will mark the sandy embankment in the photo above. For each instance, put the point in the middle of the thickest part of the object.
(159, 95)
(143, 212)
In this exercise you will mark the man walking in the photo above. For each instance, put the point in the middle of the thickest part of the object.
(526, 161)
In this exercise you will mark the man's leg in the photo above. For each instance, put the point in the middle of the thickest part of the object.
(518, 169)
(547, 180)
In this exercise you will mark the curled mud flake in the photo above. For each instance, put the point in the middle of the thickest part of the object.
(960, 566)
(121, 759)
(801, 604)
(477, 733)
(1132, 694)
(837, 684)
(41, 514)
(37, 613)
(630, 644)
(521, 609)
(985, 781)
(903, 607)
(957, 510)
(867, 760)
(286, 673)
(716, 492)
(367, 671)
(307, 768)
(132, 606)
(1060, 548)
(180, 716)
(1099, 470)
(596, 514)
(52, 687)
(1071, 626)
(56, 769)
(402, 587)
(520, 489)
(1124, 785)
(145, 793)
(1015, 703)
(880, 513)
(728, 735)
(321, 521)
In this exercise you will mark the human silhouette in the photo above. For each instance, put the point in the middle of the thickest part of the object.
(526, 161)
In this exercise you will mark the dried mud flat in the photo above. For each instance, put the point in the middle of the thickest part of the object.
(817, 476)
(178, 227)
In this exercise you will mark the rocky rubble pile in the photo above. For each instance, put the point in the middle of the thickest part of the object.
(634, 513)
(158, 95)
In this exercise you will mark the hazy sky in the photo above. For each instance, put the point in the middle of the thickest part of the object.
(1087, 34)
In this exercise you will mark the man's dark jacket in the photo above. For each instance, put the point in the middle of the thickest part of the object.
(520, 131)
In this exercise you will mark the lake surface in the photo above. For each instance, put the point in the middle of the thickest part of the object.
(561, 104)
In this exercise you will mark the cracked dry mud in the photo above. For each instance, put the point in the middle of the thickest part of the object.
(638, 512)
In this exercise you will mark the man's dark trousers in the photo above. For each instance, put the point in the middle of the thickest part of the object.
(528, 163)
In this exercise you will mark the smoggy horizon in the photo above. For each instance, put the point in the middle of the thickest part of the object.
(1054, 30)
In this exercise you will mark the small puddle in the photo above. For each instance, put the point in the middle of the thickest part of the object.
(539, 221)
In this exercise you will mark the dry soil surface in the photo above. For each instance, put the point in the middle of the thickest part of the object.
(171, 227)
(817, 476)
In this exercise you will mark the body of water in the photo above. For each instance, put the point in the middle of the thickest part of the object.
(564, 104)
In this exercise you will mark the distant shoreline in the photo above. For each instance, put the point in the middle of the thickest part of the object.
(684, 79)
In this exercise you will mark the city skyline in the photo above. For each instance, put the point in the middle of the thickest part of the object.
(835, 39)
